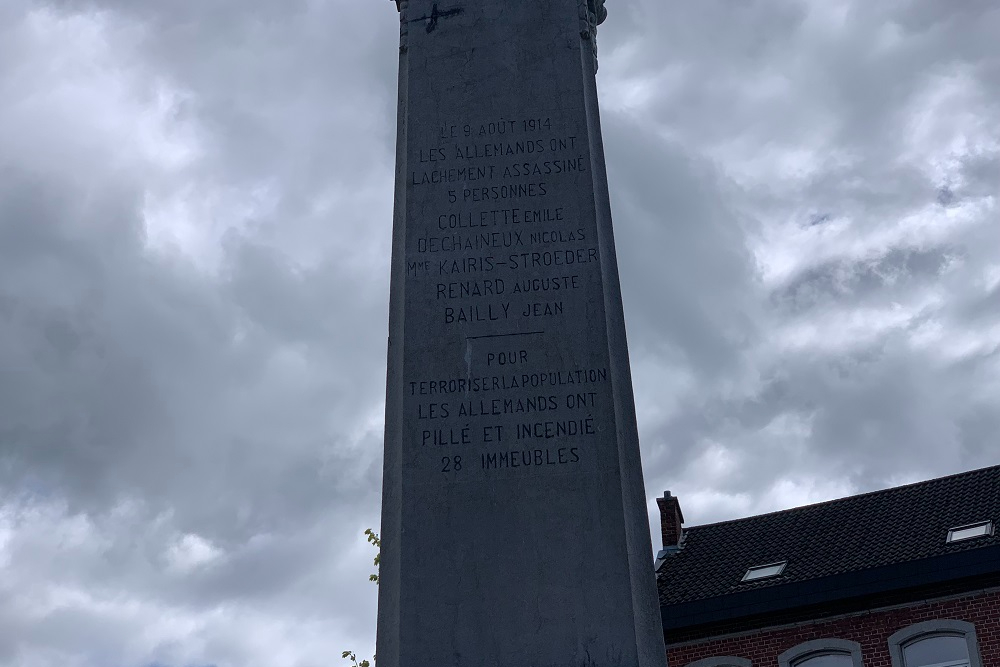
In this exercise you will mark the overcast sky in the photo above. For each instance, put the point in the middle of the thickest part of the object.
(195, 210)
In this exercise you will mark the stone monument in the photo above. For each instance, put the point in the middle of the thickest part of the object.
(514, 526)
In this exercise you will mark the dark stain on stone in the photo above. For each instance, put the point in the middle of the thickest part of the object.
(432, 18)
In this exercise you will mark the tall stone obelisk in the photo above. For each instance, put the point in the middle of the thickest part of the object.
(514, 529)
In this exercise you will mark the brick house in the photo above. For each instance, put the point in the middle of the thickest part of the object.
(905, 577)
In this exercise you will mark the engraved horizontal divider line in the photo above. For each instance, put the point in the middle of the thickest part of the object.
(504, 335)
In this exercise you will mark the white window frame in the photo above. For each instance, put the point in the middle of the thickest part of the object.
(816, 647)
(757, 568)
(721, 661)
(988, 525)
(926, 629)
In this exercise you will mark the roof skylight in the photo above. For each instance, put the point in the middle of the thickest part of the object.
(980, 529)
(764, 571)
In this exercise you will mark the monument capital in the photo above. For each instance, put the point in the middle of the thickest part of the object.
(592, 13)
(596, 8)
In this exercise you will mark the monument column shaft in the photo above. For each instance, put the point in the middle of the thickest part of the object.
(514, 526)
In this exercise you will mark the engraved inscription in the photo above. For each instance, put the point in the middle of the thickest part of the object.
(502, 265)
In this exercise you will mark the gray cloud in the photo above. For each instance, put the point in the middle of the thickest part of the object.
(845, 355)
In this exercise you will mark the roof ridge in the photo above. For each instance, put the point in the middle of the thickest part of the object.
(810, 506)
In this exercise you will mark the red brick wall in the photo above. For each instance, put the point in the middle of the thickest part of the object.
(870, 629)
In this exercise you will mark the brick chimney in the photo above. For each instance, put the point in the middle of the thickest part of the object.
(671, 520)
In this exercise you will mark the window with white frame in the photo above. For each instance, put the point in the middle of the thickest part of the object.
(764, 571)
(830, 652)
(828, 659)
(970, 532)
(721, 661)
(940, 643)
(936, 651)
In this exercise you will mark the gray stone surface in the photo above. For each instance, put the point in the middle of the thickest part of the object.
(514, 526)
